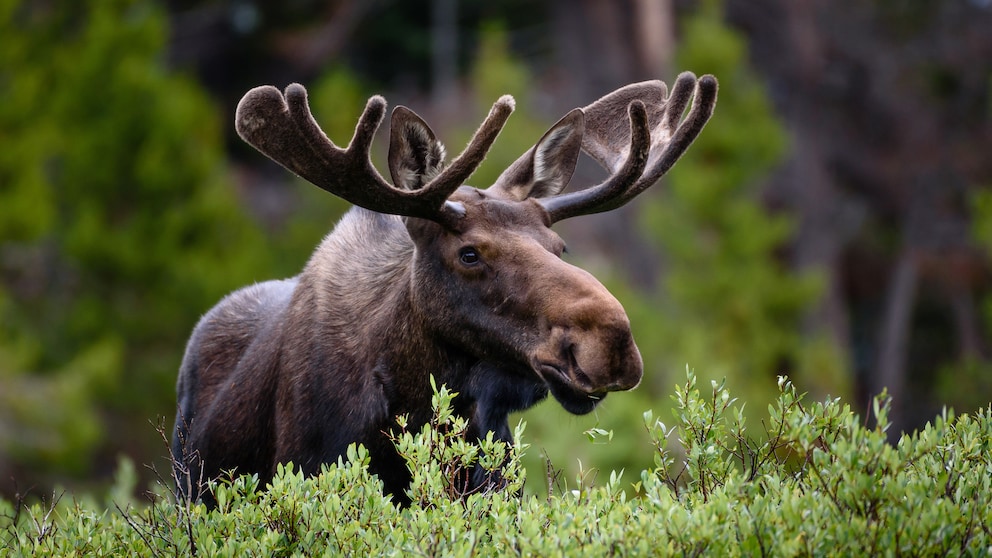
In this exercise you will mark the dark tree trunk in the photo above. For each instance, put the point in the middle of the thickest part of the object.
(894, 337)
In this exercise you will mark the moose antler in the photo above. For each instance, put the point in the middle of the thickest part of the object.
(282, 127)
(606, 141)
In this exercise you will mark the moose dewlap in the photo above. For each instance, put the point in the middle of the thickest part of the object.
(424, 276)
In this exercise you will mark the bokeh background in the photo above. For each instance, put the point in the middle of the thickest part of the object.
(832, 223)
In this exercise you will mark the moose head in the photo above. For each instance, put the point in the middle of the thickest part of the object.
(426, 276)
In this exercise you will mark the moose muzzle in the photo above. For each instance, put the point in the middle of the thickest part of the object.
(589, 350)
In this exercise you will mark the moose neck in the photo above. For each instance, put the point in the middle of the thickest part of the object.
(356, 290)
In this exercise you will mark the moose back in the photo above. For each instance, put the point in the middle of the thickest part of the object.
(424, 276)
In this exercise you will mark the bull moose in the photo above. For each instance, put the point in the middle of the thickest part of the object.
(424, 276)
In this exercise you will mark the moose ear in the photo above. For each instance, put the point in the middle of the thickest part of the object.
(548, 166)
(415, 154)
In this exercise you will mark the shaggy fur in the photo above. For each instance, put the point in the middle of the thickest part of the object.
(468, 285)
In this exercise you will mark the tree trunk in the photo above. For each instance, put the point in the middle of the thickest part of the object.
(894, 337)
(967, 320)
(444, 54)
(654, 33)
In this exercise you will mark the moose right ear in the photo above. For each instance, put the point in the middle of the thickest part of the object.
(545, 169)
(556, 154)
(415, 154)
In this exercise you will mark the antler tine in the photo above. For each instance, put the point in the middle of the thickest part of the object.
(585, 201)
(681, 135)
(604, 140)
(682, 92)
(283, 128)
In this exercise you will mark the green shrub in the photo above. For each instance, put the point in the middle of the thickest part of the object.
(813, 481)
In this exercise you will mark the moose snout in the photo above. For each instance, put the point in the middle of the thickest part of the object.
(594, 359)
(606, 359)
(587, 348)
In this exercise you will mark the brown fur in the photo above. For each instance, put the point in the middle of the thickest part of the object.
(468, 285)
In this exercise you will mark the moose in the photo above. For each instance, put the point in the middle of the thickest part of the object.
(423, 276)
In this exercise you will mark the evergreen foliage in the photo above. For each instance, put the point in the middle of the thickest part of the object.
(729, 304)
(118, 227)
(814, 481)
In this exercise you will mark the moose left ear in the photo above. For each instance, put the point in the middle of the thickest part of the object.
(415, 154)
(548, 166)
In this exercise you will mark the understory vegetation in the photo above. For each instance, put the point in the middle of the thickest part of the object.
(815, 479)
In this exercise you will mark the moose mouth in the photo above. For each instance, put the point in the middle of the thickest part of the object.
(571, 399)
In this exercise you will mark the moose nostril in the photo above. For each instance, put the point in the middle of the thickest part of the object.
(579, 375)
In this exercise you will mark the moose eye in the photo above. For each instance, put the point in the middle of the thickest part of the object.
(469, 256)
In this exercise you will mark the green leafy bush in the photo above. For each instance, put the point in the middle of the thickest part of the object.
(813, 481)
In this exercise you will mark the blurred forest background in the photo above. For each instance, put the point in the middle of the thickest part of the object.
(833, 222)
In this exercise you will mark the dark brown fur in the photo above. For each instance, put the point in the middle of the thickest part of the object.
(473, 291)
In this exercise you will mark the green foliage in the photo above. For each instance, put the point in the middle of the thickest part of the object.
(443, 450)
(118, 226)
(815, 482)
